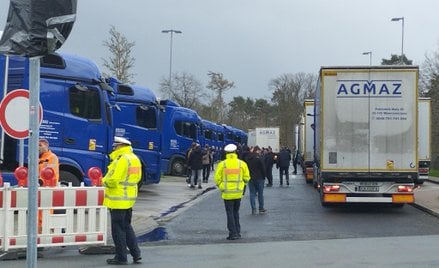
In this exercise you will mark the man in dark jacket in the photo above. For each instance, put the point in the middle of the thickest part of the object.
(269, 162)
(283, 164)
(256, 166)
(196, 165)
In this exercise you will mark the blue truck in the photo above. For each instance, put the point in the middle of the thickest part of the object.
(180, 127)
(136, 117)
(83, 112)
(77, 115)
(213, 136)
(234, 135)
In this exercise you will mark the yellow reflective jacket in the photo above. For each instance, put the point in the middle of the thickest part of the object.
(231, 175)
(120, 182)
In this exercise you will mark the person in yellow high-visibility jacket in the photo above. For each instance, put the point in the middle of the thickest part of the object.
(121, 186)
(231, 176)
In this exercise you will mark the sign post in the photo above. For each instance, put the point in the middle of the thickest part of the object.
(34, 100)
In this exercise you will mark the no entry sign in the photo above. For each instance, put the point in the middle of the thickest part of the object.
(14, 114)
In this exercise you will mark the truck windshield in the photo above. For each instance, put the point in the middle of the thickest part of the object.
(146, 117)
(186, 129)
(85, 103)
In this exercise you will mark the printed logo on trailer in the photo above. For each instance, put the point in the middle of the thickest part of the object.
(369, 89)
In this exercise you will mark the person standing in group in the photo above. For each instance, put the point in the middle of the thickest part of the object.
(213, 155)
(121, 182)
(283, 164)
(256, 167)
(295, 159)
(230, 177)
(188, 169)
(206, 161)
(269, 162)
(196, 165)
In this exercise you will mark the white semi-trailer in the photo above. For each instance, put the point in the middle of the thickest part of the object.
(366, 134)
(308, 154)
(264, 137)
(424, 138)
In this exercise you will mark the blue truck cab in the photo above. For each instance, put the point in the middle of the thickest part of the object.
(234, 135)
(77, 116)
(213, 135)
(136, 117)
(180, 127)
(241, 136)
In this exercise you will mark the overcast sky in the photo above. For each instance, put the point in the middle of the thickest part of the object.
(253, 41)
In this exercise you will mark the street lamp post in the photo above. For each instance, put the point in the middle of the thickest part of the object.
(370, 56)
(171, 31)
(402, 35)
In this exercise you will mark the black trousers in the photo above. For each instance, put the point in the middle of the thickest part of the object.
(269, 171)
(206, 172)
(232, 211)
(123, 234)
(282, 171)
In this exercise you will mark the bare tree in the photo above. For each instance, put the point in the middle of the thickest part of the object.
(429, 86)
(120, 62)
(289, 92)
(185, 89)
(429, 71)
(219, 85)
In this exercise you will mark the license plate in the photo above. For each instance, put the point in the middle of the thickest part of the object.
(368, 188)
(368, 183)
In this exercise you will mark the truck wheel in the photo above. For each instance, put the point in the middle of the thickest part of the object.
(178, 168)
(418, 181)
(65, 177)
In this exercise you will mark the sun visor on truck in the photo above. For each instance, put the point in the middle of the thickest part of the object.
(36, 28)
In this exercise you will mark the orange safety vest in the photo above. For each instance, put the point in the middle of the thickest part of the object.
(49, 159)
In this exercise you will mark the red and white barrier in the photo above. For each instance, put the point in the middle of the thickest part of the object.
(83, 220)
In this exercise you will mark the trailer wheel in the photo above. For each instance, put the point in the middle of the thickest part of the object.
(65, 177)
(178, 168)
(418, 181)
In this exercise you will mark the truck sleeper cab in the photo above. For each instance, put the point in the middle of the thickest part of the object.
(136, 118)
(180, 127)
(213, 136)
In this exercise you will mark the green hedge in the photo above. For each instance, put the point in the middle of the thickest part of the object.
(434, 172)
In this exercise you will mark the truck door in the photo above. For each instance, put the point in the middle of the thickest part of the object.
(86, 129)
(138, 123)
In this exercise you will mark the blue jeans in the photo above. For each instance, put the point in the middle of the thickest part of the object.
(195, 179)
(123, 234)
(256, 187)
